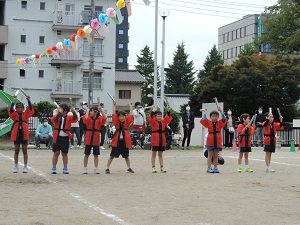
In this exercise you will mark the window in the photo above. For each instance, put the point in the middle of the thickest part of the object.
(120, 60)
(22, 73)
(121, 46)
(233, 35)
(232, 53)
(97, 81)
(42, 40)
(41, 73)
(43, 6)
(245, 31)
(23, 39)
(228, 55)
(124, 94)
(121, 31)
(98, 51)
(23, 4)
(228, 36)
(224, 55)
(238, 34)
(224, 40)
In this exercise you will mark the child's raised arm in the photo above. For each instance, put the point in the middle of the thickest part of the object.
(115, 107)
(131, 108)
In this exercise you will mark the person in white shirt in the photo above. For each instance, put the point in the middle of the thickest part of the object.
(139, 123)
(75, 129)
(103, 130)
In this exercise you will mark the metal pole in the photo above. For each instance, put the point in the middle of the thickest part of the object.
(162, 71)
(91, 64)
(155, 55)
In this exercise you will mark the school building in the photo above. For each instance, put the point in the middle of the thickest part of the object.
(233, 37)
(30, 27)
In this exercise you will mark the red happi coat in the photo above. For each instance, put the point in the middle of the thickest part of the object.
(210, 138)
(246, 135)
(267, 132)
(16, 117)
(67, 126)
(128, 121)
(92, 135)
(158, 137)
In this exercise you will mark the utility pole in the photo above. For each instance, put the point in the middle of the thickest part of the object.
(155, 55)
(91, 64)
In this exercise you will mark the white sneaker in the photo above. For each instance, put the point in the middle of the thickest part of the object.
(102, 148)
(96, 171)
(16, 170)
(84, 171)
(81, 147)
(25, 170)
(72, 146)
(270, 170)
(77, 146)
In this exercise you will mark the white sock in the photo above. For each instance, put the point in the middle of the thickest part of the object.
(25, 165)
(240, 165)
(246, 166)
(16, 165)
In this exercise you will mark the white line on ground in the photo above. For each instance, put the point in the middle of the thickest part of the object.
(262, 160)
(74, 195)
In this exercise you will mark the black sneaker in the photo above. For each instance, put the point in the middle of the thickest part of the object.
(130, 170)
(107, 171)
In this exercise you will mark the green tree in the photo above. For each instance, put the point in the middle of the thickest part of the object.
(214, 58)
(249, 49)
(43, 109)
(180, 77)
(282, 27)
(146, 68)
(252, 81)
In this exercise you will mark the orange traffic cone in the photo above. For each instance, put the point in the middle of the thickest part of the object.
(234, 146)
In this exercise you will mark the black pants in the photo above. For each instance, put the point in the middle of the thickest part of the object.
(186, 134)
(82, 132)
(228, 138)
(103, 133)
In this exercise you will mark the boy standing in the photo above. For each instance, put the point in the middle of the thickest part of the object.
(19, 130)
(158, 139)
(214, 138)
(121, 140)
(62, 125)
(93, 122)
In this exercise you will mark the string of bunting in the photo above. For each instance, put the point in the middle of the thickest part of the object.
(59, 48)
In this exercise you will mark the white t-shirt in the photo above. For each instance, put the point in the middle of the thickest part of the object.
(139, 117)
(77, 123)
(62, 133)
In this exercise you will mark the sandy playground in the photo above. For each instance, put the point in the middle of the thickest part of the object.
(185, 195)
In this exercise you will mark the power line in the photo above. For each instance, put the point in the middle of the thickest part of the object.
(206, 14)
(232, 3)
(222, 7)
(210, 10)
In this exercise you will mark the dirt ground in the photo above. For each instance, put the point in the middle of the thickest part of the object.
(185, 195)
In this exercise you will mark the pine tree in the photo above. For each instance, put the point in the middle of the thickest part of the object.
(214, 58)
(146, 68)
(180, 78)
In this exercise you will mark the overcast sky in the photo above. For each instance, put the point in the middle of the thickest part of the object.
(198, 31)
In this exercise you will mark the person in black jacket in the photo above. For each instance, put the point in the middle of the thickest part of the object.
(188, 126)
(82, 126)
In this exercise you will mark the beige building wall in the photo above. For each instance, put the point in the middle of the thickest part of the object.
(123, 104)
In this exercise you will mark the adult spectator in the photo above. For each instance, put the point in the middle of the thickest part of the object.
(44, 134)
(82, 112)
(188, 124)
(102, 130)
(229, 129)
(139, 122)
(260, 118)
(75, 129)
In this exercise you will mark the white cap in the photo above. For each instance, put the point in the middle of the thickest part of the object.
(84, 103)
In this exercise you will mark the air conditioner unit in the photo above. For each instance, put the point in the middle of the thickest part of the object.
(85, 17)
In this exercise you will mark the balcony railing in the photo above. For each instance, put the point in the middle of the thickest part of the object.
(67, 18)
(67, 87)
